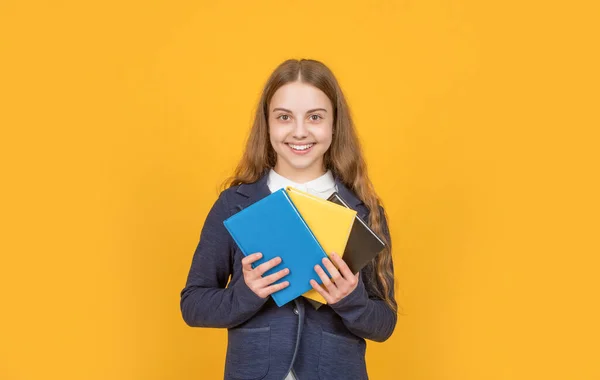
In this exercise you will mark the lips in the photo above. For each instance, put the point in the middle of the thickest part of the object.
(300, 148)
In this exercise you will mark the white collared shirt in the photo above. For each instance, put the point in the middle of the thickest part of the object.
(322, 187)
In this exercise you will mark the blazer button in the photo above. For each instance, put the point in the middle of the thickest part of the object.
(296, 311)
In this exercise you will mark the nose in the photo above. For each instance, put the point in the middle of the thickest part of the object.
(300, 130)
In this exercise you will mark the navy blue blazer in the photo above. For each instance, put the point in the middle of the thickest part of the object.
(265, 341)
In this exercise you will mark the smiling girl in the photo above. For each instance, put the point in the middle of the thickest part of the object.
(303, 136)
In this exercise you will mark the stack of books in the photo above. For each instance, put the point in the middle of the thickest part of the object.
(302, 229)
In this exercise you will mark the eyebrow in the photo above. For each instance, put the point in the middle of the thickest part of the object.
(309, 111)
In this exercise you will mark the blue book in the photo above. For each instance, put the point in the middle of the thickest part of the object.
(274, 227)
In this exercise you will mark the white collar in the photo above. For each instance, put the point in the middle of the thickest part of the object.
(319, 186)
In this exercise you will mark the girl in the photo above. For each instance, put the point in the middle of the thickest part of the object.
(302, 136)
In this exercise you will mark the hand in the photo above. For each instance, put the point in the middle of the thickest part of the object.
(343, 283)
(261, 286)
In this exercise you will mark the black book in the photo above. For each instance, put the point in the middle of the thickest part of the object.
(363, 243)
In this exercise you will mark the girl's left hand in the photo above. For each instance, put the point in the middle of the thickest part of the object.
(340, 284)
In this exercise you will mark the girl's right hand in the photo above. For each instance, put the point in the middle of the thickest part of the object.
(260, 285)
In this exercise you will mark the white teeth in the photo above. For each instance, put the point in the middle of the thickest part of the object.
(301, 147)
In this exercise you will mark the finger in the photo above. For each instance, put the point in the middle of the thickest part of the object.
(335, 274)
(321, 291)
(353, 283)
(330, 286)
(268, 280)
(248, 260)
(342, 266)
(275, 288)
(262, 268)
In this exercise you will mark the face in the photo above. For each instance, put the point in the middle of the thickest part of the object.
(300, 130)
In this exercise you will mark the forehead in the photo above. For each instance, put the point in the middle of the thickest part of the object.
(299, 97)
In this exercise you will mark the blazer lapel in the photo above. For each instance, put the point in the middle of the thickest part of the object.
(253, 192)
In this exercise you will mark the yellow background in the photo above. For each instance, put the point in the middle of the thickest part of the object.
(480, 126)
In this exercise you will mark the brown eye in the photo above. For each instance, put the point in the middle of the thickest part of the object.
(284, 117)
(315, 117)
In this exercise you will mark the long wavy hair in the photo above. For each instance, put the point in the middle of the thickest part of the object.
(344, 157)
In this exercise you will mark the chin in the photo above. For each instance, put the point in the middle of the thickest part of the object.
(300, 165)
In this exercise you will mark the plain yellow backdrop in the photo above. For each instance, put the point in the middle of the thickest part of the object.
(479, 122)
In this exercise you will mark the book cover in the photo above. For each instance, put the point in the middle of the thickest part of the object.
(274, 227)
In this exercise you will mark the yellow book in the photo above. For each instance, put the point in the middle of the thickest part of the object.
(328, 221)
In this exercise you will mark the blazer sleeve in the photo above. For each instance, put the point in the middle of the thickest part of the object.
(365, 314)
(206, 301)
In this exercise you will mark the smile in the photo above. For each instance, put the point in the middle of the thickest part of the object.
(301, 147)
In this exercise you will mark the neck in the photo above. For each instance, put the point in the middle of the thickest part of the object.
(300, 176)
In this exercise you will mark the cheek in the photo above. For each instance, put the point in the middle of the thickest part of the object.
(276, 137)
(274, 133)
(323, 135)
(273, 140)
